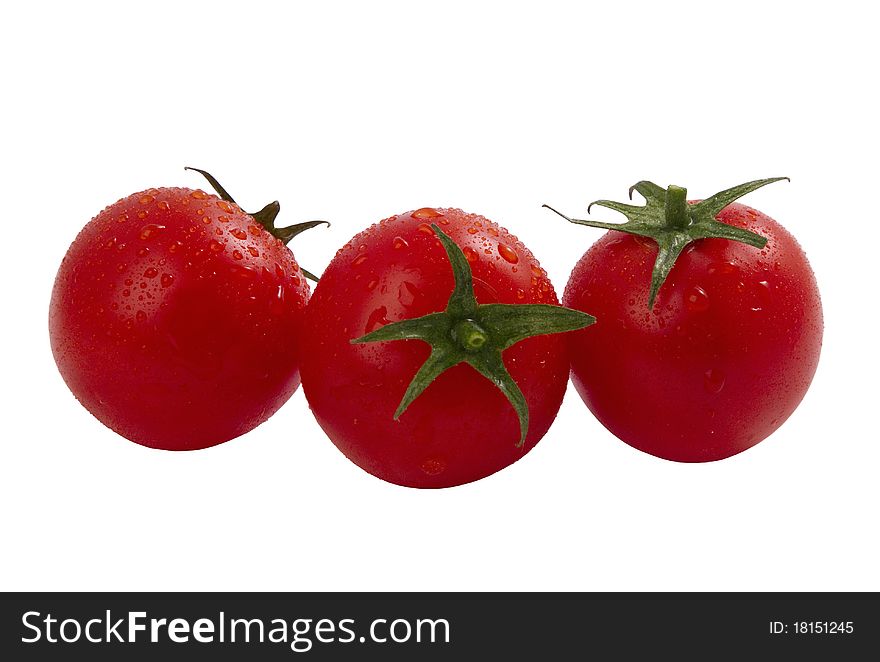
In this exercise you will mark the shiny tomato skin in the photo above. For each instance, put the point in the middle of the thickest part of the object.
(722, 360)
(174, 319)
(461, 428)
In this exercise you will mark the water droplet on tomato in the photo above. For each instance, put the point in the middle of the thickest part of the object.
(426, 212)
(696, 300)
(723, 268)
(765, 295)
(407, 293)
(520, 294)
(253, 251)
(126, 293)
(225, 206)
(141, 316)
(215, 246)
(433, 466)
(163, 205)
(174, 246)
(427, 229)
(713, 380)
(472, 230)
(399, 242)
(146, 199)
(278, 303)
(469, 253)
(110, 243)
(198, 194)
(359, 260)
(142, 213)
(166, 280)
(151, 272)
(537, 272)
(508, 253)
(238, 233)
(372, 284)
(377, 319)
(237, 254)
(150, 230)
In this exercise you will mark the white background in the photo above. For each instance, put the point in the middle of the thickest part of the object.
(355, 111)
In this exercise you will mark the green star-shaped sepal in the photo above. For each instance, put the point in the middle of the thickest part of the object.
(476, 334)
(669, 220)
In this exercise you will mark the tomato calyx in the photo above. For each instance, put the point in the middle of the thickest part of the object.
(673, 223)
(266, 217)
(476, 334)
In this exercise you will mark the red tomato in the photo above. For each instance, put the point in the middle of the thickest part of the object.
(721, 360)
(461, 428)
(174, 319)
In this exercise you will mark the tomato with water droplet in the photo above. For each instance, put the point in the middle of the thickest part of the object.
(461, 427)
(206, 355)
(722, 358)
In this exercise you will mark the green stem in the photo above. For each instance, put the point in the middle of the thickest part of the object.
(677, 217)
(470, 335)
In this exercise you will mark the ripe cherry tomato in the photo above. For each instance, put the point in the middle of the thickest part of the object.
(724, 354)
(175, 316)
(461, 427)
